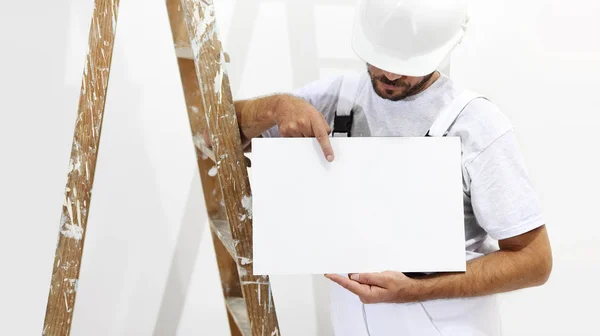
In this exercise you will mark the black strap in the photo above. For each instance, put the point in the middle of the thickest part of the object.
(343, 124)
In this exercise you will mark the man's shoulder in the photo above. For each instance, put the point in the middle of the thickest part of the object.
(480, 124)
(485, 114)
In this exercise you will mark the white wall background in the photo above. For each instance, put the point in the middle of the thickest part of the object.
(148, 265)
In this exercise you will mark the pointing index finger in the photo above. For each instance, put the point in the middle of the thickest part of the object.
(320, 131)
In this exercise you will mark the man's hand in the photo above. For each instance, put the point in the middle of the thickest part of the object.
(385, 287)
(293, 116)
(297, 118)
(522, 261)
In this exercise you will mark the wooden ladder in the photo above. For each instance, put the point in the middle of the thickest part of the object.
(223, 169)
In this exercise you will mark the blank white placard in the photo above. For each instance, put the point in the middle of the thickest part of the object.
(383, 204)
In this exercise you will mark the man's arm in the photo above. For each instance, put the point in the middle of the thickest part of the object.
(522, 261)
(294, 116)
(256, 116)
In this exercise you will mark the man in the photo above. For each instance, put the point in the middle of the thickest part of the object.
(402, 94)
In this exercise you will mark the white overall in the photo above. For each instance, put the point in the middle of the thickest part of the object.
(456, 317)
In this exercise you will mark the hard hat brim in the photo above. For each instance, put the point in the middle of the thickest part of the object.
(415, 66)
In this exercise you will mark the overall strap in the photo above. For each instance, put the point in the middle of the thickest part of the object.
(448, 115)
(344, 114)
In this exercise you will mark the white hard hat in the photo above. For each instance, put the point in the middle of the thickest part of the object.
(408, 37)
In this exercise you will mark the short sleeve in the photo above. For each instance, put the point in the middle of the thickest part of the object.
(322, 94)
(503, 198)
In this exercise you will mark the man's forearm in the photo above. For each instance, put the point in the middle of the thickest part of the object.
(498, 272)
(257, 115)
(294, 117)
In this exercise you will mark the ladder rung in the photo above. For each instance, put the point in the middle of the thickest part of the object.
(187, 53)
(184, 52)
(237, 308)
(223, 232)
(203, 147)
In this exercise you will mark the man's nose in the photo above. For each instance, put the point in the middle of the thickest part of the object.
(391, 76)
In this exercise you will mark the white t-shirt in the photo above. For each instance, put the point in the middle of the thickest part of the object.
(499, 200)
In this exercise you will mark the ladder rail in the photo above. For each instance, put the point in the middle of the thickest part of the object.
(206, 161)
(225, 175)
(82, 167)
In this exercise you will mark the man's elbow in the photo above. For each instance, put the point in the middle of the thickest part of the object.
(543, 268)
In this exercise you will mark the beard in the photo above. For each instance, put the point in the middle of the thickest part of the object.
(403, 87)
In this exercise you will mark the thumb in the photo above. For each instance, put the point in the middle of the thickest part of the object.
(375, 279)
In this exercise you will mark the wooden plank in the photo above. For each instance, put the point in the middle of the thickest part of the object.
(236, 307)
(230, 279)
(184, 52)
(209, 61)
(222, 239)
(210, 183)
(235, 330)
(223, 234)
(188, 75)
(194, 105)
(178, 27)
(204, 148)
(84, 151)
